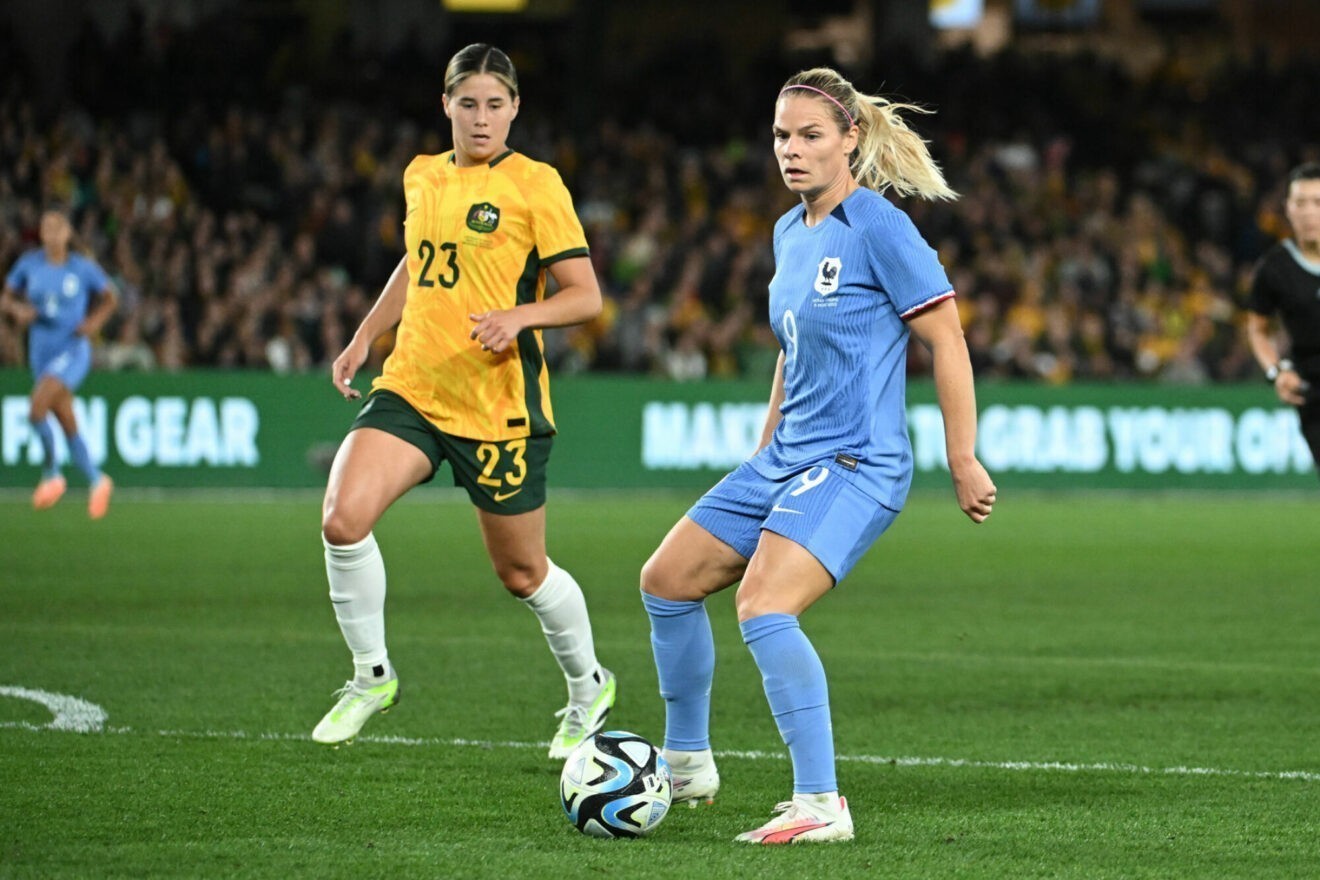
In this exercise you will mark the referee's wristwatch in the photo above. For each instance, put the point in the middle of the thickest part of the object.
(1272, 372)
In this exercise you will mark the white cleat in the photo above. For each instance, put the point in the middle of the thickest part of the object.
(807, 818)
(695, 778)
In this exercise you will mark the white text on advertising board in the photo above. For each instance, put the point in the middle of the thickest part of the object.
(1025, 439)
(683, 436)
(160, 431)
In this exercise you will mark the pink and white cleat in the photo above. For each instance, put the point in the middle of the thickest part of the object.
(99, 501)
(807, 818)
(49, 491)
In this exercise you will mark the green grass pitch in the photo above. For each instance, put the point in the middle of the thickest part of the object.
(1087, 686)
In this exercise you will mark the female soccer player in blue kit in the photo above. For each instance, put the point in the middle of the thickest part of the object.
(59, 285)
(853, 277)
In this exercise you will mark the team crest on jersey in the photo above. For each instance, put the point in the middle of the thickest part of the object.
(70, 285)
(483, 217)
(827, 276)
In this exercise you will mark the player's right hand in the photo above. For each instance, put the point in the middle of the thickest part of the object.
(1290, 388)
(345, 367)
(22, 313)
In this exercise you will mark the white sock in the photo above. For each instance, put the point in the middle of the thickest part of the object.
(562, 609)
(827, 800)
(357, 590)
(681, 760)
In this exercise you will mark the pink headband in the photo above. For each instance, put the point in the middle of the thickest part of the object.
(846, 114)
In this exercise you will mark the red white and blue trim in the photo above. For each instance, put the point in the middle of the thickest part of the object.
(926, 304)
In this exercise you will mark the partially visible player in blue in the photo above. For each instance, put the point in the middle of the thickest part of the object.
(853, 279)
(63, 298)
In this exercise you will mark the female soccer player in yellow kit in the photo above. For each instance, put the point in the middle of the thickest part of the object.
(466, 383)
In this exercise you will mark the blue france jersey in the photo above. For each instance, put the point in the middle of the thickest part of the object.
(838, 300)
(61, 294)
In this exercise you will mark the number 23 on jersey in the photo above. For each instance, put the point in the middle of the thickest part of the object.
(445, 270)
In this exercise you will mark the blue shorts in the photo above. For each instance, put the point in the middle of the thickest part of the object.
(69, 362)
(818, 508)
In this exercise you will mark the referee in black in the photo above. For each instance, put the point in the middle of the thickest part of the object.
(1287, 285)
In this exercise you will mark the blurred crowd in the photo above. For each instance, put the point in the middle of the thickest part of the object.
(1107, 227)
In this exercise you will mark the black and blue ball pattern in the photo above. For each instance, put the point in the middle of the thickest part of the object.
(615, 784)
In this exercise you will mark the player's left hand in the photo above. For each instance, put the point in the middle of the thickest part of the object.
(496, 330)
(975, 490)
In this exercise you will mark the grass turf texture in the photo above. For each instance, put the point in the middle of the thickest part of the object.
(1114, 632)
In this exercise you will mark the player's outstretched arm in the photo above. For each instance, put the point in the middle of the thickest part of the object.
(939, 329)
(383, 315)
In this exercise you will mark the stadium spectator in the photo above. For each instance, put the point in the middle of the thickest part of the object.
(854, 278)
(1097, 241)
(486, 229)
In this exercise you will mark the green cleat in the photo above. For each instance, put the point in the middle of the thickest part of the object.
(355, 706)
(580, 722)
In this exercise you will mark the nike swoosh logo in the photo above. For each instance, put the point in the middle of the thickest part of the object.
(778, 509)
(339, 601)
(505, 496)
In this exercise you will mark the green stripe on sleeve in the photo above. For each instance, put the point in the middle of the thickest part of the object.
(565, 255)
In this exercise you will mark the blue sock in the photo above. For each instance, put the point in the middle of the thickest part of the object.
(49, 467)
(684, 652)
(83, 459)
(794, 681)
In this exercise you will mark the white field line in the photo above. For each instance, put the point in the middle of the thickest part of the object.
(70, 713)
(894, 761)
(75, 715)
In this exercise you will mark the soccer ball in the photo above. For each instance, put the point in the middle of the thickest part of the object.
(615, 784)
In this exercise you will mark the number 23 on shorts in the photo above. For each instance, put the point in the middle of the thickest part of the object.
(489, 455)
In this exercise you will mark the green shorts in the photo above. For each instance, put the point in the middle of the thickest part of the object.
(504, 476)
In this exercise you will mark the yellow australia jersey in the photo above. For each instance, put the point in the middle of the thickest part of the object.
(479, 239)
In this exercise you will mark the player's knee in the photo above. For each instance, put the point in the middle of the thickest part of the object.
(519, 579)
(652, 580)
(341, 528)
(751, 602)
(662, 580)
(519, 583)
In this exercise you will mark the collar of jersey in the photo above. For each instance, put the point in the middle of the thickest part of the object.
(1291, 247)
(838, 213)
(491, 164)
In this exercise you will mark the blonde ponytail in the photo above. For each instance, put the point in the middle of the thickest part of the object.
(889, 153)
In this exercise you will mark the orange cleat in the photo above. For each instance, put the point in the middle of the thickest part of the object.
(49, 490)
(99, 502)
